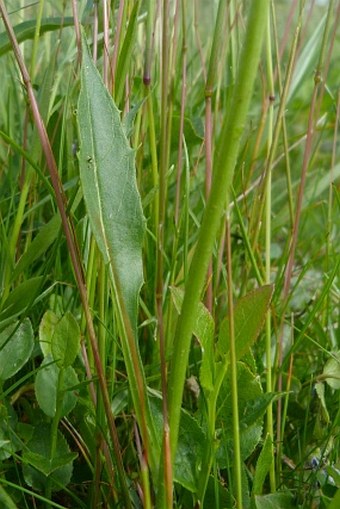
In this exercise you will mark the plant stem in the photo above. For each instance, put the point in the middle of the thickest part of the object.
(216, 49)
(224, 165)
(166, 461)
(36, 38)
(54, 427)
(268, 207)
(233, 377)
(307, 153)
(181, 128)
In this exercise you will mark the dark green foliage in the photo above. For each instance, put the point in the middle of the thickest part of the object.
(132, 159)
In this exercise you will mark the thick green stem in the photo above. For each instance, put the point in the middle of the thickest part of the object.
(225, 161)
(223, 174)
(216, 49)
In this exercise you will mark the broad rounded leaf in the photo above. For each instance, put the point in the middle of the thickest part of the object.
(9, 441)
(46, 388)
(252, 406)
(65, 340)
(46, 331)
(16, 346)
(191, 443)
(274, 501)
(37, 463)
(331, 371)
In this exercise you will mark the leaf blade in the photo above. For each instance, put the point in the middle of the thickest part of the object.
(249, 315)
(107, 173)
(16, 347)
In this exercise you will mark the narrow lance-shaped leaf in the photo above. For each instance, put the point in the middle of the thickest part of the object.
(263, 465)
(107, 173)
(26, 30)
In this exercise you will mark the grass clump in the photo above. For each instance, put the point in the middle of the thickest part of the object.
(169, 267)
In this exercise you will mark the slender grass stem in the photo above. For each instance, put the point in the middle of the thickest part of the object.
(268, 211)
(182, 113)
(106, 56)
(77, 29)
(233, 378)
(117, 43)
(307, 153)
(259, 202)
(284, 123)
(95, 31)
(36, 38)
(166, 468)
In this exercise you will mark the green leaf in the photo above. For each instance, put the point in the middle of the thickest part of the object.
(250, 437)
(204, 331)
(331, 371)
(46, 331)
(255, 409)
(5, 500)
(316, 186)
(9, 441)
(129, 118)
(335, 503)
(16, 346)
(333, 474)
(26, 30)
(274, 501)
(21, 297)
(249, 390)
(190, 445)
(320, 391)
(126, 51)
(36, 460)
(252, 404)
(46, 465)
(189, 453)
(263, 465)
(307, 59)
(46, 388)
(216, 489)
(249, 315)
(192, 135)
(66, 340)
(39, 245)
(107, 173)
